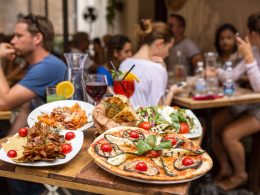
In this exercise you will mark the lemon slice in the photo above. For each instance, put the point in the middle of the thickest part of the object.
(131, 77)
(65, 89)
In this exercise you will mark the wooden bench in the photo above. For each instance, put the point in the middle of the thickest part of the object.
(254, 165)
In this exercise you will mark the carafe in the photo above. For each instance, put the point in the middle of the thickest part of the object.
(75, 62)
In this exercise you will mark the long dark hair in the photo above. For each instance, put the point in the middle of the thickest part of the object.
(116, 43)
(222, 28)
(253, 22)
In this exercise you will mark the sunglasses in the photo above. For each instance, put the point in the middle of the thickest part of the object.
(35, 21)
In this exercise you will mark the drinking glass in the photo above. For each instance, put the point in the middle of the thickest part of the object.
(52, 95)
(212, 81)
(180, 73)
(124, 87)
(96, 86)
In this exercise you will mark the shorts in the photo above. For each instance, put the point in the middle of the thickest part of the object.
(253, 109)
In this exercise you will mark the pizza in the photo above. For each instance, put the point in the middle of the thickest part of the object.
(136, 153)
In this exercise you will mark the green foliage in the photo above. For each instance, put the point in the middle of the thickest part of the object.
(112, 7)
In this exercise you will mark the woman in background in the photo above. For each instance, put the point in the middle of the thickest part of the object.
(155, 40)
(225, 43)
(233, 124)
(119, 48)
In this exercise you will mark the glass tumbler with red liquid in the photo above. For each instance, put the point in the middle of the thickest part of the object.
(124, 87)
(96, 86)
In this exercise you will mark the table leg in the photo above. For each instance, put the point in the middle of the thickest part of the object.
(207, 187)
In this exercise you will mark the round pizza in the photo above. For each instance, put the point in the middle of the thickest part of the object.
(137, 153)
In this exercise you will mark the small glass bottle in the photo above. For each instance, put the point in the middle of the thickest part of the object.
(200, 84)
(228, 85)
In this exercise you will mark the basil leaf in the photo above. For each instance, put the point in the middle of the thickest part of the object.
(151, 140)
(163, 145)
(143, 147)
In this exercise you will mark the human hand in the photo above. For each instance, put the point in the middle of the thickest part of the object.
(7, 50)
(244, 48)
(176, 89)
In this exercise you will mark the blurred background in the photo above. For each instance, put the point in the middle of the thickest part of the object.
(103, 17)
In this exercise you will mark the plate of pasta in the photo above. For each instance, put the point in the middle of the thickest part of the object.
(64, 115)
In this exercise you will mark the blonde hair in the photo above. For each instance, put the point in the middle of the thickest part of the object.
(149, 31)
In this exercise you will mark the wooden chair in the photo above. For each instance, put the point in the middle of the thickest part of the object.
(254, 165)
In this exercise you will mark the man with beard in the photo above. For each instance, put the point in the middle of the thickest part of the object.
(33, 41)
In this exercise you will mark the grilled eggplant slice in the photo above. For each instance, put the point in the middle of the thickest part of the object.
(179, 152)
(179, 166)
(159, 161)
(115, 151)
(151, 170)
(119, 159)
(160, 128)
(126, 134)
(118, 140)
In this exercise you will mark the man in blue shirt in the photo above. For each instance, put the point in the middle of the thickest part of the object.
(33, 41)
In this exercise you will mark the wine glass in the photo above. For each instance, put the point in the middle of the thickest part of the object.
(96, 86)
(124, 87)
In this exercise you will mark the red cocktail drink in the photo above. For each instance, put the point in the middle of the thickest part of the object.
(125, 87)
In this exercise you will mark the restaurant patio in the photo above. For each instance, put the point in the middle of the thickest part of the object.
(130, 97)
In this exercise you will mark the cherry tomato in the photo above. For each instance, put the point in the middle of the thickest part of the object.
(134, 134)
(153, 153)
(184, 128)
(66, 148)
(23, 132)
(11, 153)
(145, 125)
(187, 161)
(141, 166)
(70, 135)
(106, 147)
(171, 138)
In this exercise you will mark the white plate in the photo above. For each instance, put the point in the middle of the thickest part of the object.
(148, 181)
(76, 144)
(196, 131)
(48, 108)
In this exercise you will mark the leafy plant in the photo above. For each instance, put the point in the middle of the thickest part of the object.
(112, 7)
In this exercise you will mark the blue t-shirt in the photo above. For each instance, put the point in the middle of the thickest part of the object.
(102, 70)
(48, 72)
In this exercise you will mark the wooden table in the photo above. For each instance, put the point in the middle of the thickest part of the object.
(242, 96)
(5, 115)
(82, 173)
